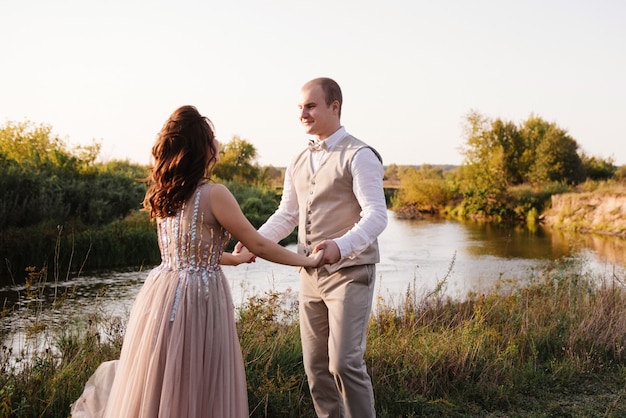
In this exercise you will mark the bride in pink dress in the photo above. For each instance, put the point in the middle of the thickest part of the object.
(181, 355)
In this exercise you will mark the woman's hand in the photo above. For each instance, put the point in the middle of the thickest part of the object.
(317, 258)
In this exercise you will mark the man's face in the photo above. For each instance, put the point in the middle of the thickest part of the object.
(317, 118)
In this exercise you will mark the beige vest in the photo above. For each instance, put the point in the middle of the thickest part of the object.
(328, 206)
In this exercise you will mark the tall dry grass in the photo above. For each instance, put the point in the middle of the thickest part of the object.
(487, 350)
(528, 349)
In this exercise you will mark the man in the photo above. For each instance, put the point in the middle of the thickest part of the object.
(333, 192)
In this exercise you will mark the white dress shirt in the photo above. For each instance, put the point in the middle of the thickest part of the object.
(367, 175)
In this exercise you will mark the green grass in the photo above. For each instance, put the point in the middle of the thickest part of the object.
(551, 347)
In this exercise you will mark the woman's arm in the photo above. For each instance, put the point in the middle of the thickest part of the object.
(229, 215)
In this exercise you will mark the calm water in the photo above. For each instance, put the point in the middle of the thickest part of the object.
(472, 257)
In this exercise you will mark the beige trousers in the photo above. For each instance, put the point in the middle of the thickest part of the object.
(334, 312)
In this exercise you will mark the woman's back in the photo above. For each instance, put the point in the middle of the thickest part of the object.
(181, 355)
(192, 238)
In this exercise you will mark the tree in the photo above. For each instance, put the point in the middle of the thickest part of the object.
(238, 162)
(557, 159)
(274, 176)
(499, 154)
(596, 168)
(392, 174)
(532, 132)
(424, 189)
(507, 136)
(483, 173)
(35, 146)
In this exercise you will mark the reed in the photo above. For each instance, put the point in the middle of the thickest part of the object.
(75, 248)
(43, 367)
(551, 346)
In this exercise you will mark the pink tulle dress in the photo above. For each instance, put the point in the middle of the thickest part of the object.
(181, 355)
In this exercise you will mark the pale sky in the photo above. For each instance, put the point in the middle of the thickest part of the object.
(410, 70)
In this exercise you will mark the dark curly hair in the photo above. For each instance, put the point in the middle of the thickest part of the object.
(181, 155)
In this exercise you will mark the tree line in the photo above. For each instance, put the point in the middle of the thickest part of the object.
(509, 172)
(62, 210)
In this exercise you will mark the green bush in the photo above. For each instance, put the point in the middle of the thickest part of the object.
(258, 203)
(42, 180)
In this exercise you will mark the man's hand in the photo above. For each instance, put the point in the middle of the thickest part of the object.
(331, 251)
(234, 259)
(244, 256)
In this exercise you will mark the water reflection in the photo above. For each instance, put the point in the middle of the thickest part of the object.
(513, 242)
(607, 249)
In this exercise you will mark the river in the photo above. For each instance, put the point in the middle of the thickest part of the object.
(471, 257)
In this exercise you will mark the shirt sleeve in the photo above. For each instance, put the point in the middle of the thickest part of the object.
(285, 219)
(367, 183)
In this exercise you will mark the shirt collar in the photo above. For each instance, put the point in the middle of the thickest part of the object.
(334, 139)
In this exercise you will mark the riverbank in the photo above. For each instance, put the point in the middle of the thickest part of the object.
(552, 347)
(600, 212)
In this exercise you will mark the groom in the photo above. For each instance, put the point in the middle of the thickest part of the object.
(333, 192)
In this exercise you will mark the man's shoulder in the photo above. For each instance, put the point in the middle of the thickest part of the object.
(355, 144)
(353, 140)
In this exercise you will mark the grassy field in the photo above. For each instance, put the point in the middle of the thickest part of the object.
(553, 347)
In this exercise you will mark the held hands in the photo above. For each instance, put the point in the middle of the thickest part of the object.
(239, 249)
(331, 252)
(318, 257)
(243, 255)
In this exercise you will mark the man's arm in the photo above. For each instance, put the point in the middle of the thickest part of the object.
(284, 219)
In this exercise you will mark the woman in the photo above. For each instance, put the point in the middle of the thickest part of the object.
(181, 355)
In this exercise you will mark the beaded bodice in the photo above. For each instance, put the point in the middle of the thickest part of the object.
(191, 244)
(187, 241)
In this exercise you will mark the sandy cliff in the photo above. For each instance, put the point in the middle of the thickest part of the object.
(597, 212)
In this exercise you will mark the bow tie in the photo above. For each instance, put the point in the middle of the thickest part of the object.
(317, 145)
